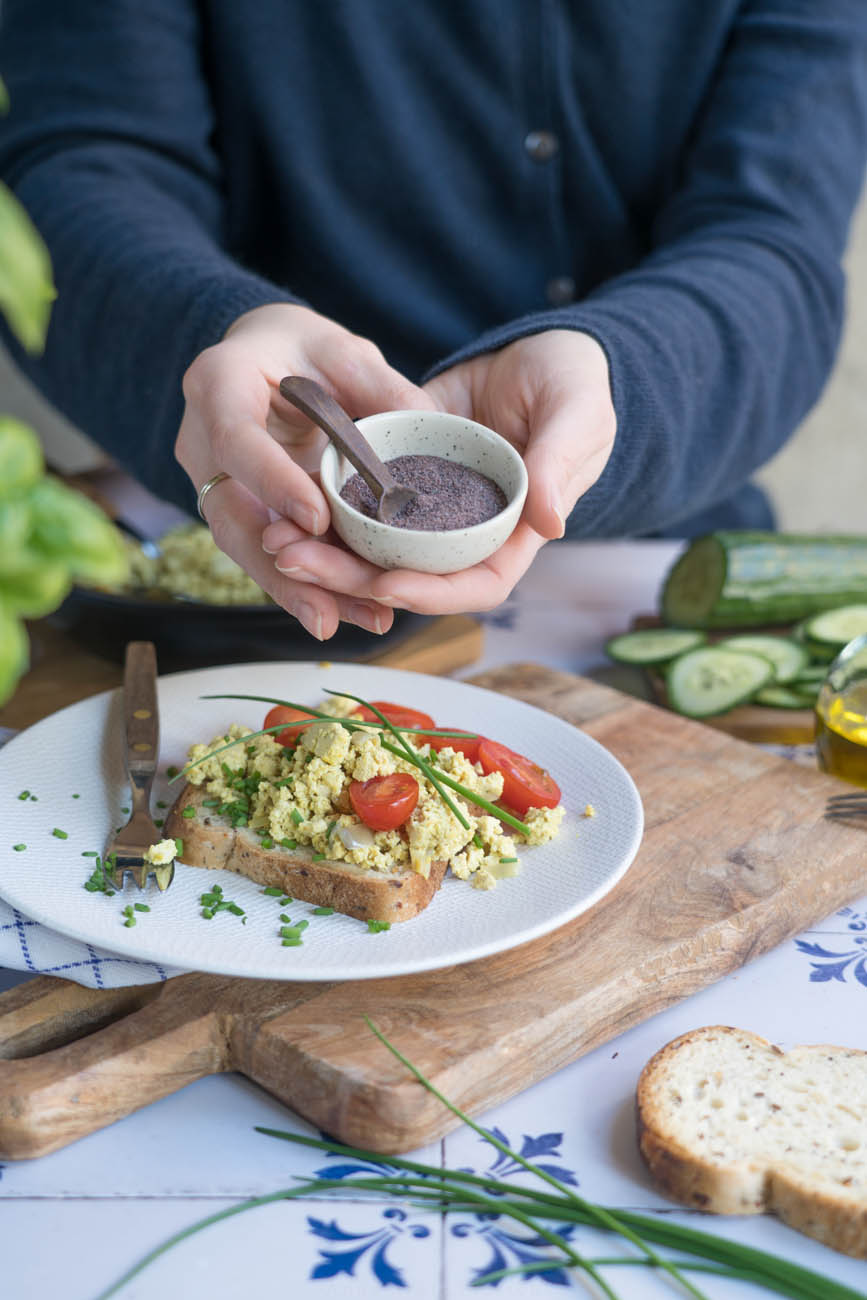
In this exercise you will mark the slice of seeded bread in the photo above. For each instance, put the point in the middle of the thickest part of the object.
(731, 1124)
(212, 841)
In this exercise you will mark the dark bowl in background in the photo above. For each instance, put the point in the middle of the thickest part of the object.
(193, 635)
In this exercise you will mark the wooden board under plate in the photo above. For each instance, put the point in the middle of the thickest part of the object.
(735, 859)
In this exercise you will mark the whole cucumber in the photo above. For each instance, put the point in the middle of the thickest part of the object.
(749, 579)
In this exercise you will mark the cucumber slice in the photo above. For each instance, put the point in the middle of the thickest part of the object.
(786, 655)
(781, 697)
(655, 645)
(837, 627)
(712, 680)
(811, 675)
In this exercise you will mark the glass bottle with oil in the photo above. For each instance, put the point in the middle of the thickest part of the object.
(841, 715)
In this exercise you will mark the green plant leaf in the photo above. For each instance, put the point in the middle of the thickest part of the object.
(21, 460)
(32, 586)
(26, 283)
(67, 526)
(14, 652)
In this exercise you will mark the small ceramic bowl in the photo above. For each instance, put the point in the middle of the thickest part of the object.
(427, 433)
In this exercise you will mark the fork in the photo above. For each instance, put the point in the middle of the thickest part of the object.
(126, 851)
(842, 807)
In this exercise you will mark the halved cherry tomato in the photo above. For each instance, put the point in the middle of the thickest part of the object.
(397, 714)
(283, 713)
(525, 784)
(466, 745)
(384, 802)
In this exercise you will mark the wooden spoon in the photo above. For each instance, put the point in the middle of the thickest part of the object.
(320, 407)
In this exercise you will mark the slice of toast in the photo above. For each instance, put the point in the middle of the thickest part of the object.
(212, 841)
(731, 1124)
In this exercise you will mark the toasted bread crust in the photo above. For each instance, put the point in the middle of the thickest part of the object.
(211, 841)
(750, 1170)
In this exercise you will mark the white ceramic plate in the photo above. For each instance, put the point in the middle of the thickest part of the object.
(79, 751)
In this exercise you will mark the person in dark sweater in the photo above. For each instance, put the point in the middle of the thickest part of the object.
(612, 232)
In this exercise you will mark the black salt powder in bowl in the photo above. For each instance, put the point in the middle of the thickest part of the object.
(459, 520)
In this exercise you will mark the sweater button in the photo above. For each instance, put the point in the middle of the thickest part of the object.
(542, 146)
(560, 290)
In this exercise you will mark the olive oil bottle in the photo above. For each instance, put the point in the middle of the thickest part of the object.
(841, 735)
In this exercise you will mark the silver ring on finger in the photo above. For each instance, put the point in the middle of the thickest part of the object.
(205, 489)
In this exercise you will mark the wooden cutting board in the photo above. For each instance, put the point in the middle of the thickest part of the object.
(735, 859)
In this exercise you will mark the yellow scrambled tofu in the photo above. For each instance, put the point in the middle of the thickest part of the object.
(301, 797)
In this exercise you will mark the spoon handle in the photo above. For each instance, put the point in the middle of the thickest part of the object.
(320, 407)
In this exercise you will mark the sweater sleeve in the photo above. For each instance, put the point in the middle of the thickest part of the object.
(721, 339)
(112, 156)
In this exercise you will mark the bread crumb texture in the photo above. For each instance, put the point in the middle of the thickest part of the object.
(731, 1124)
(302, 795)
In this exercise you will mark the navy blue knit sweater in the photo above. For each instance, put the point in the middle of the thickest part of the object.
(675, 177)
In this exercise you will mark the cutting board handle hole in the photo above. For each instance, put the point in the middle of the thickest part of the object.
(59, 1026)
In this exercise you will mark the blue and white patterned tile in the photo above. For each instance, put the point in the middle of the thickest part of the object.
(475, 1248)
(201, 1140)
(302, 1249)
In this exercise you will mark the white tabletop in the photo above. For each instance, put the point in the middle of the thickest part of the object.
(73, 1222)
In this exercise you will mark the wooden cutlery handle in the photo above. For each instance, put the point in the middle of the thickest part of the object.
(140, 712)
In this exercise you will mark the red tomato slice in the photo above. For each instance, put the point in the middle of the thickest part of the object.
(467, 745)
(525, 784)
(282, 713)
(384, 802)
(397, 714)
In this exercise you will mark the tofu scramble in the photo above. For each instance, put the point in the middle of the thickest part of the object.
(300, 797)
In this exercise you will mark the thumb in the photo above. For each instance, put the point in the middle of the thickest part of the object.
(567, 451)
(364, 382)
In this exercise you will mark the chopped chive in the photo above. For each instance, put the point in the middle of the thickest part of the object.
(161, 803)
(508, 859)
(318, 857)
(330, 831)
(267, 842)
(160, 821)
(124, 810)
(296, 817)
(273, 891)
(188, 812)
(284, 917)
(292, 943)
(90, 853)
(323, 911)
(289, 844)
(206, 803)
(377, 927)
(59, 834)
(141, 907)
(19, 848)
(25, 794)
(171, 771)
(179, 846)
(207, 914)
(128, 913)
(33, 799)
(235, 909)
(477, 840)
(76, 796)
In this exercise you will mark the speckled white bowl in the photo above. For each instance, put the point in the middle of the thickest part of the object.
(427, 433)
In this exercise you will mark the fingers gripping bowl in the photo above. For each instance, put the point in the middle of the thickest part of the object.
(427, 433)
